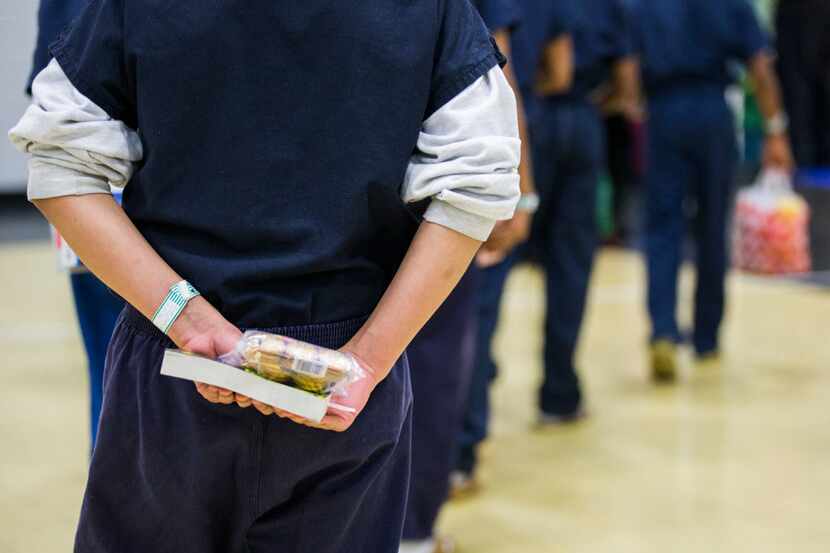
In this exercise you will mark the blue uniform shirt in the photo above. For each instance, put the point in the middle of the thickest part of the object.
(52, 17)
(601, 34)
(276, 137)
(684, 42)
(499, 15)
(544, 21)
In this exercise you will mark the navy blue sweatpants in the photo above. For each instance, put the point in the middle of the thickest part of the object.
(442, 360)
(568, 152)
(172, 472)
(476, 417)
(692, 156)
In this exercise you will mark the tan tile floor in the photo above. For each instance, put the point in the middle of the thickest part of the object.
(735, 457)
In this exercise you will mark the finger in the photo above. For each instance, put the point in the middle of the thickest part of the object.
(224, 396)
(207, 392)
(263, 408)
(292, 417)
(243, 401)
(335, 423)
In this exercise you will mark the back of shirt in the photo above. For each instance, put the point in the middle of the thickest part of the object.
(601, 36)
(543, 21)
(276, 137)
(694, 42)
(499, 15)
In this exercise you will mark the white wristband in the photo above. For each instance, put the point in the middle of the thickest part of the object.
(173, 304)
(776, 125)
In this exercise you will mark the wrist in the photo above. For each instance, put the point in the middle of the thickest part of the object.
(528, 203)
(197, 318)
(376, 362)
(777, 125)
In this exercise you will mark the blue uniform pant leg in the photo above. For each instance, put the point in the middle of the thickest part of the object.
(668, 174)
(326, 492)
(170, 471)
(571, 182)
(97, 309)
(713, 192)
(476, 406)
(441, 357)
(173, 472)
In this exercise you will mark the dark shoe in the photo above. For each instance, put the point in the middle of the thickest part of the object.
(709, 358)
(663, 361)
(547, 420)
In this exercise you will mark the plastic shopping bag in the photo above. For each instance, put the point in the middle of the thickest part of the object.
(771, 234)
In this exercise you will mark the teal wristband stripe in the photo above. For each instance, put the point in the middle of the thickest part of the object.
(173, 304)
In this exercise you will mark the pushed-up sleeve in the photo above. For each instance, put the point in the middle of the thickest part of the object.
(467, 159)
(75, 146)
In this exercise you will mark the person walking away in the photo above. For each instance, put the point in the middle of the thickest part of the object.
(688, 49)
(539, 44)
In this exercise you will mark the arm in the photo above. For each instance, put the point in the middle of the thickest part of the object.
(776, 146)
(627, 91)
(110, 245)
(557, 70)
(435, 262)
(508, 234)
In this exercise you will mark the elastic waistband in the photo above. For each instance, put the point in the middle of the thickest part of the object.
(328, 335)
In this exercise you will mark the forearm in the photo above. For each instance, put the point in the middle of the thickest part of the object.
(526, 183)
(112, 248)
(627, 85)
(767, 89)
(434, 263)
(557, 67)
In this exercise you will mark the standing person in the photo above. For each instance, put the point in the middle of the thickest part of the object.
(569, 154)
(96, 306)
(803, 48)
(268, 155)
(540, 48)
(688, 48)
(443, 353)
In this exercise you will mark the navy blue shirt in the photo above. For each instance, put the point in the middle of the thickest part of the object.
(544, 21)
(276, 137)
(601, 34)
(694, 41)
(499, 15)
(52, 17)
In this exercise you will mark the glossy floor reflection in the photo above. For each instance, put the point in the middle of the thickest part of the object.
(735, 457)
(732, 458)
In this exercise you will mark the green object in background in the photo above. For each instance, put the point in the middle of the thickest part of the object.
(605, 206)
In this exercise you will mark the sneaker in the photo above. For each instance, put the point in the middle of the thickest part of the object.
(463, 485)
(708, 359)
(546, 420)
(663, 361)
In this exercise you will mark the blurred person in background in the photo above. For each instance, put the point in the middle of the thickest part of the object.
(688, 49)
(96, 306)
(624, 138)
(569, 155)
(444, 353)
(803, 48)
(539, 47)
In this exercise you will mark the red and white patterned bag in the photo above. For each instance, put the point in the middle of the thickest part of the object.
(770, 233)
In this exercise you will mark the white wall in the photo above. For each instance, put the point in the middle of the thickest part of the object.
(18, 26)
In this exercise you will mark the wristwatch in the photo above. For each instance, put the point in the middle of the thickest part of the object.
(528, 203)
